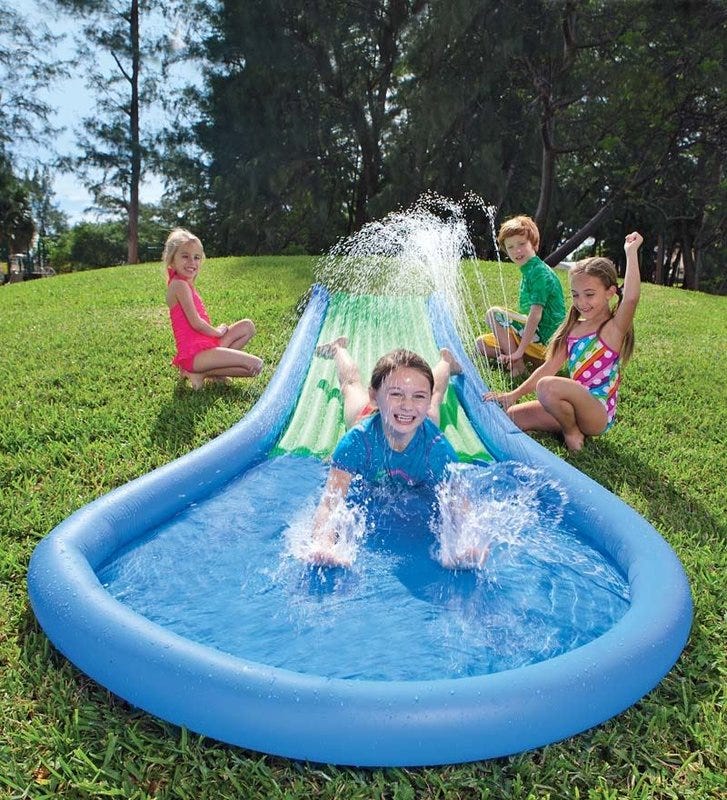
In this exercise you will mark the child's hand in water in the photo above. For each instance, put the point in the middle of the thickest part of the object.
(327, 557)
(470, 558)
(325, 552)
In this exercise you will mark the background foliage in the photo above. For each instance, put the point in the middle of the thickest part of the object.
(311, 118)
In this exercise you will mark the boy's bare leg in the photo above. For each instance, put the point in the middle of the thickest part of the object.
(507, 342)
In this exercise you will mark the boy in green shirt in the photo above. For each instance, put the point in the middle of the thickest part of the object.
(541, 302)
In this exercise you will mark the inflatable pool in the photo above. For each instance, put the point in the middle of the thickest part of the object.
(355, 721)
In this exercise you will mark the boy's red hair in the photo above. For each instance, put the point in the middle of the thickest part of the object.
(521, 225)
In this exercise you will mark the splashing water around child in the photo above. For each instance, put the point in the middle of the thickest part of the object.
(497, 506)
(418, 251)
(350, 523)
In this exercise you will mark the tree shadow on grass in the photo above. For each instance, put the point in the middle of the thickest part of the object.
(625, 471)
(178, 424)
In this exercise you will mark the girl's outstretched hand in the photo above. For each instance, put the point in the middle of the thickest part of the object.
(505, 399)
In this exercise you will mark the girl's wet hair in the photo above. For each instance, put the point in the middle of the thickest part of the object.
(605, 271)
(399, 358)
(177, 238)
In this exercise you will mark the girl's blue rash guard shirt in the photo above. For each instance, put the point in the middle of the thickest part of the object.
(365, 452)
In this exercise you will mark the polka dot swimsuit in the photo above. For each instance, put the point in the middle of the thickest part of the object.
(594, 365)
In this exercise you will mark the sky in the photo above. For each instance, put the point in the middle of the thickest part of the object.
(71, 101)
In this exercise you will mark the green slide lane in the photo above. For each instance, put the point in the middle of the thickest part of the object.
(374, 325)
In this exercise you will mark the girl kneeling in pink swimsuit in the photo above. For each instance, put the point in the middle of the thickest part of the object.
(203, 351)
(594, 340)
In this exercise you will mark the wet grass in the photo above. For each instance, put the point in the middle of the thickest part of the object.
(88, 401)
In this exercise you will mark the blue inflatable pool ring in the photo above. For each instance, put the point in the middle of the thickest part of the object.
(334, 720)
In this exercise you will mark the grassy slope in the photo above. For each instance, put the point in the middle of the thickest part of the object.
(89, 402)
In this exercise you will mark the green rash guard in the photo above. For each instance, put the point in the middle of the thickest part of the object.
(540, 286)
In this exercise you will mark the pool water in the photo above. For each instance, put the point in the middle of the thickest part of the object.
(228, 573)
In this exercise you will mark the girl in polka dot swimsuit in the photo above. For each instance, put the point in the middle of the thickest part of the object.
(595, 339)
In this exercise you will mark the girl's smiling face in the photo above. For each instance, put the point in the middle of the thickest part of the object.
(590, 297)
(187, 260)
(403, 400)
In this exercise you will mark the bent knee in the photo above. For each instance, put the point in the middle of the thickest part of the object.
(547, 387)
(242, 331)
(492, 314)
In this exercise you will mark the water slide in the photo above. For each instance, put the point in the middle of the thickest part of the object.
(358, 722)
(374, 325)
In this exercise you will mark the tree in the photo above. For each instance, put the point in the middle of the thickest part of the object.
(298, 111)
(48, 217)
(465, 132)
(123, 69)
(16, 220)
(655, 129)
(594, 117)
(25, 71)
(356, 51)
(90, 245)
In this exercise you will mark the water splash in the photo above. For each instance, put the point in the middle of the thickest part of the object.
(495, 506)
(397, 614)
(347, 520)
(422, 250)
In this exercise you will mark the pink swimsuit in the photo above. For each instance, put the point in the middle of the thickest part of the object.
(189, 341)
(366, 411)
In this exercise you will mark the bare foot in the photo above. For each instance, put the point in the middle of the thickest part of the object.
(196, 379)
(516, 368)
(574, 441)
(328, 350)
(219, 379)
(455, 368)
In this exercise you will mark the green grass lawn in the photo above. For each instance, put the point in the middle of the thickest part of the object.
(88, 401)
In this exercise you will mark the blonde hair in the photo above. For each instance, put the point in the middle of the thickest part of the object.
(175, 240)
(605, 270)
(521, 225)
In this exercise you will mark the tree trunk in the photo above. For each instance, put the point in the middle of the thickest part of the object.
(579, 237)
(659, 264)
(547, 170)
(687, 256)
(133, 230)
(544, 85)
